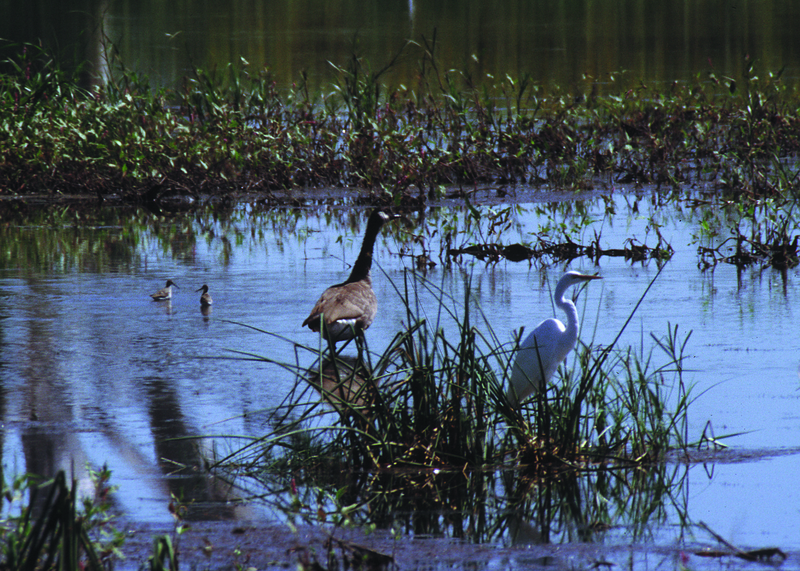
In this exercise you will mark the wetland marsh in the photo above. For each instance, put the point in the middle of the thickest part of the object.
(669, 431)
(96, 373)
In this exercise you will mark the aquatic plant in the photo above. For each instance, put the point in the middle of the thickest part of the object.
(764, 233)
(233, 130)
(429, 413)
(45, 529)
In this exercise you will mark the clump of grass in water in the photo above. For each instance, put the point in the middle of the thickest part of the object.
(425, 423)
(613, 406)
(434, 400)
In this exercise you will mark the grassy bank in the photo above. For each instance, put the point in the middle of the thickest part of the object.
(232, 131)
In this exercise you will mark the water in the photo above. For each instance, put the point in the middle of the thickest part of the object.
(95, 372)
(553, 42)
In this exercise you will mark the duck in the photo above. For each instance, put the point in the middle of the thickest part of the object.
(164, 293)
(205, 299)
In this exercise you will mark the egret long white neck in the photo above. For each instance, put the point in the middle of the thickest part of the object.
(568, 307)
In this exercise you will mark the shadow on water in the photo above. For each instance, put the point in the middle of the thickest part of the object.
(181, 458)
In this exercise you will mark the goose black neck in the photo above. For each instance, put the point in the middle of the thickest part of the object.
(363, 263)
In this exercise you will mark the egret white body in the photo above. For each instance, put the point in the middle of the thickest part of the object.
(542, 351)
(347, 309)
(165, 292)
(205, 298)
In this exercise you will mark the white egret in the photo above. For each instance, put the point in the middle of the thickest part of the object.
(348, 308)
(547, 346)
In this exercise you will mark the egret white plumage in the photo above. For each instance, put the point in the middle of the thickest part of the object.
(547, 346)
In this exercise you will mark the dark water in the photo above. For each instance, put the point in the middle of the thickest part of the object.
(558, 42)
(94, 372)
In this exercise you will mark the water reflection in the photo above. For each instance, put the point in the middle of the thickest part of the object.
(93, 371)
(181, 457)
(501, 508)
(342, 381)
(552, 42)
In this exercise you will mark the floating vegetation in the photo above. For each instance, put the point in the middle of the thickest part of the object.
(780, 251)
(231, 131)
(770, 555)
(632, 251)
(781, 254)
(763, 234)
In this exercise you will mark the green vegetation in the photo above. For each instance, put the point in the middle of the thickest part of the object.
(419, 437)
(725, 147)
(45, 529)
(232, 131)
(425, 426)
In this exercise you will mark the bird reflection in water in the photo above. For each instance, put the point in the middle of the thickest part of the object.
(343, 382)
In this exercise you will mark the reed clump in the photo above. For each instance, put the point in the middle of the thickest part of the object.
(424, 428)
(434, 399)
(47, 526)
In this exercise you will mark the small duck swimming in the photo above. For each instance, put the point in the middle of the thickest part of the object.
(164, 293)
(205, 299)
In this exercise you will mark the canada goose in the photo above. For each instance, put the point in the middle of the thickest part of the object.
(543, 350)
(165, 292)
(205, 299)
(348, 308)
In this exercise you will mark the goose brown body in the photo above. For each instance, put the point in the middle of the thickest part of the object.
(347, 309)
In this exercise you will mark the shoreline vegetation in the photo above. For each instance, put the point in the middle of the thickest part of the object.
(232, 131)
(726, 147)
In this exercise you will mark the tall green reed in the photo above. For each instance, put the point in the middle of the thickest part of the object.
(423, 428)
(434, 398)
(45, 528)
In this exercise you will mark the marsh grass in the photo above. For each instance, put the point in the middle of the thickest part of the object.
(420, 435)
(232, 129)
(47, 526)
(434, 400)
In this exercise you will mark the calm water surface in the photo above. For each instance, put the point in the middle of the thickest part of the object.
(95, 372)
(554, 42)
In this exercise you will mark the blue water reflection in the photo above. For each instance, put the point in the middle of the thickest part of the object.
(95, 372)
